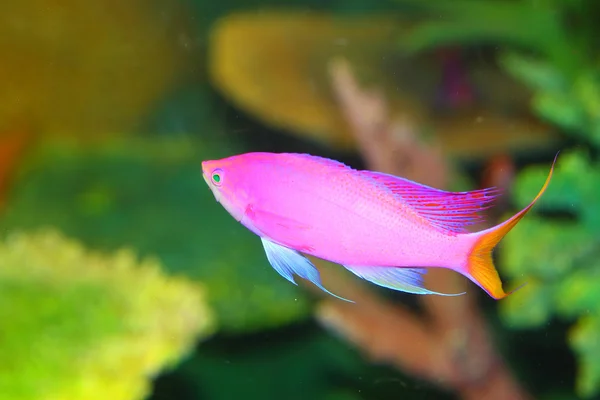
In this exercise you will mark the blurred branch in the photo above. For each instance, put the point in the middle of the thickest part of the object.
(450, 345)
(386, 146)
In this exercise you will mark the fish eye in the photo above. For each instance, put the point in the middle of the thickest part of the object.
(217, 177)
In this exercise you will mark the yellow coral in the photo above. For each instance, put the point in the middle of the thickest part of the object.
(86, 67)
(274, 65)
(82, 325)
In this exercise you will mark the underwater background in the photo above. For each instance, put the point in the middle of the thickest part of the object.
(122, 278)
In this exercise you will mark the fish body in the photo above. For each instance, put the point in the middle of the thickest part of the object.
(383, 228)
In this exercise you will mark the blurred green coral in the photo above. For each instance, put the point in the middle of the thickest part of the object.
(76, 324)
(559, 63)
(559, 258)
(569, 100)
(148, 193)
(468, 21)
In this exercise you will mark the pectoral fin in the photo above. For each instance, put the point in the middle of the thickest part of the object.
(271, 219)
(289, 262)
(408, 280)
(289, 232)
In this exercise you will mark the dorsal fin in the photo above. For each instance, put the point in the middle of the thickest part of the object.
(449, 211)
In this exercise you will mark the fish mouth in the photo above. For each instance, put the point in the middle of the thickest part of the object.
(205, 178)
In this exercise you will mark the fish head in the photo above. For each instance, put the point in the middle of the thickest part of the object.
(227, 180)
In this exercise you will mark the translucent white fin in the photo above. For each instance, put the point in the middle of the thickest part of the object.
(408, 280)
(289, 262)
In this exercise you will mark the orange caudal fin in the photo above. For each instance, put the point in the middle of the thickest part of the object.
(480, 266)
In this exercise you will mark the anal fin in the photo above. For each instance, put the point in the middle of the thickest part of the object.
(288, 262)
(408, 280)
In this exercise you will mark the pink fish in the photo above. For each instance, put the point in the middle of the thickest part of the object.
(385, 229)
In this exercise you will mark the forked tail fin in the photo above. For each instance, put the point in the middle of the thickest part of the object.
(480, 266)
